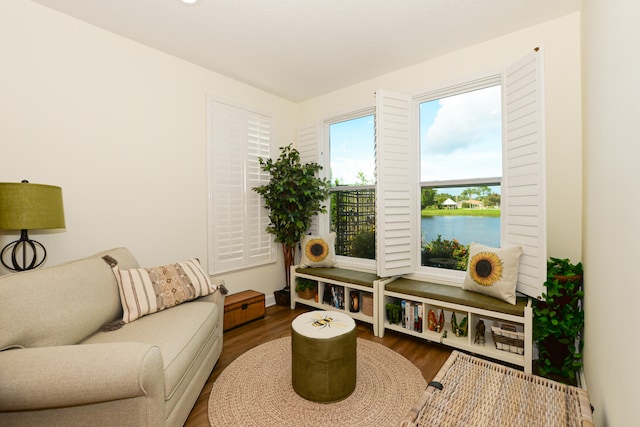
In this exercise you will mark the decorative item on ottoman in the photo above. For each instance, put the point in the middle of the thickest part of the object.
(243, 307)
(323, 355)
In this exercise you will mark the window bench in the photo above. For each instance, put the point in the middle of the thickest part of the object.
(509, 346)
(346, 283)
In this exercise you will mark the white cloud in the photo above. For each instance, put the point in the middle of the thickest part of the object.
(352, 150)
(346, 169)
(465, 137)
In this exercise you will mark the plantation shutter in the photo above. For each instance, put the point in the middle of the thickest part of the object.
(395, 186)
(523, 186)
(309, 144)
(237, 219)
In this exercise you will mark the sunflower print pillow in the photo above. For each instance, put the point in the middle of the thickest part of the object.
(319, 251)
(493, 271)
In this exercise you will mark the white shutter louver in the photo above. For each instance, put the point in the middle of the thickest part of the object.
(395, 186)
(237, 219)
(523, 188)
(309, 144)
(259, 244)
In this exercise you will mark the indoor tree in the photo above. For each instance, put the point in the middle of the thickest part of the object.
(294, 194)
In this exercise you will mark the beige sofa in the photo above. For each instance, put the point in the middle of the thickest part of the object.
(58, 366)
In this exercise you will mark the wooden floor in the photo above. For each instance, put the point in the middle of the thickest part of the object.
(428, 357)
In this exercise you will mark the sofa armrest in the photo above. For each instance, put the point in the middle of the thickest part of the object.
(218, 298)
(73, 375)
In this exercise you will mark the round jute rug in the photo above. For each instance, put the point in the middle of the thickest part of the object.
(255, 390)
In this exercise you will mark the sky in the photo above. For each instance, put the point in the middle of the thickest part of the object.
(460, 137)
(353, 150)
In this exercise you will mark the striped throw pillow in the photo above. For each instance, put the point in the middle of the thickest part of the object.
(149, 290)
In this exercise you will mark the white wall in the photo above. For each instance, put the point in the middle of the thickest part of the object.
(561, 41)
(611, 123)
(121, 128)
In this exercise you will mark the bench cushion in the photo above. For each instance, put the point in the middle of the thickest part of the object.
(456, 295)
(341, 274)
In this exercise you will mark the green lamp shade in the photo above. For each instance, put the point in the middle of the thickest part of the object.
(26, 206)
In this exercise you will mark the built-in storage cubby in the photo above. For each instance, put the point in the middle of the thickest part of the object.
(336, 291)
(490, 333)
(449, 315)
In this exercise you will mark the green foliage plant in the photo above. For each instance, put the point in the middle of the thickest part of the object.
(294, 194)
(394, 312)
(302, 284)
(364, 245)
(558, 322)
(444, 248)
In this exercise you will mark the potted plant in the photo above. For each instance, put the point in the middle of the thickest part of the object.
(558, 322)
(293, 196)
(306, 288)
(445, 254)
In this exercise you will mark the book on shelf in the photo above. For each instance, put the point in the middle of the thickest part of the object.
(338, 296)
(333, 296)
(412, 315)
(417, 321)
(326, 296)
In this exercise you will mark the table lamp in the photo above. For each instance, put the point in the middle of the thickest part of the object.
(25, 206)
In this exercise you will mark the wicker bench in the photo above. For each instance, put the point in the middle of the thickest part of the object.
(468, 391)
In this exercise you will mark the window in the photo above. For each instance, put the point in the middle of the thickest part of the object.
(460, 138)
(237, 219)
(511, 177)
(352, 193)
(522, 189)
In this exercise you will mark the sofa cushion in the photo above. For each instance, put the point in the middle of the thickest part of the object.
(149, 290)
(180, 333)
(60, 305)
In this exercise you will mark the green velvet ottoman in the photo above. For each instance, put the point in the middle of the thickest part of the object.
(323, 355)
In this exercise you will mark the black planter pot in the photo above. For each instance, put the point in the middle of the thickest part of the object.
(557, 352)
(283, 297)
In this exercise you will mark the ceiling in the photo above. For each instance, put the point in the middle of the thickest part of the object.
(300, 49)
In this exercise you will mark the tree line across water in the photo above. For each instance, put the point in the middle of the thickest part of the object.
(432, 200)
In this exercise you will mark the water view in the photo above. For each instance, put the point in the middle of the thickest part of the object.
(467, 229)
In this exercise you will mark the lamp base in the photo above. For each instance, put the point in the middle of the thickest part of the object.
(24, 245)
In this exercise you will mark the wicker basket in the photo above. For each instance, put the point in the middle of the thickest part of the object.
(508, 339)
(307, 293)
(367, 303)
(282, 297)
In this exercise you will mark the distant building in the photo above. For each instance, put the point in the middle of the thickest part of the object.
(471, 204)
(449, 204)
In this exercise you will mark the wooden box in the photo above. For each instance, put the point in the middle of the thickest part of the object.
(242, 307)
